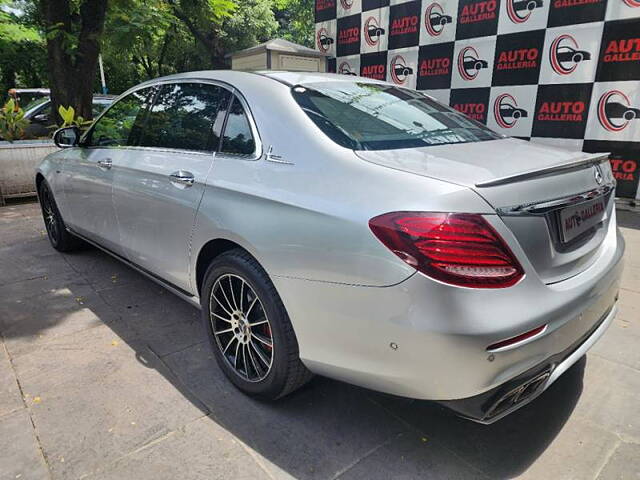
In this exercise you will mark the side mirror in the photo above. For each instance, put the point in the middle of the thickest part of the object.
(66, 137)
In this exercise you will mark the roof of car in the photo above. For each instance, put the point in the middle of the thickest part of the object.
(251, 79)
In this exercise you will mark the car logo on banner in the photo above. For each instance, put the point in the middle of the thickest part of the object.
(470, 63)
(346, 69)
(400, 71)
(323, 40)
(632, 3)
(565, 55)
(346, 4)
(372, 31)
(435, 19)
(506, 111)
(519, 11)
(615, 111)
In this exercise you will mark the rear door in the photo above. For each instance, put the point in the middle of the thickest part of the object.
(88, 171)
(160, 181)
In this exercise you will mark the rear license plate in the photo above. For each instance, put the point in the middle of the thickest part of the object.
(579, 218)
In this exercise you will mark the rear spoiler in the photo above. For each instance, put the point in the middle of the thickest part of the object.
(552, 170)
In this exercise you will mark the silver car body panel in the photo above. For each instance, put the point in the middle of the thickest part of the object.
(301, 207)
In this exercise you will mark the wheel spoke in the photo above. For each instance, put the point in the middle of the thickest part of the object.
(261, 322)
(253, 302)
(225, 297)
(220, 303)
(244, 360)
(262, 339)
(228, 320)
(253, 362)
(233, 297)
(228, 345)
(261, 355)
(224, 331)
(241, 294)
(235, 360)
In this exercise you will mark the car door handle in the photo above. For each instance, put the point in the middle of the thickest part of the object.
(105, 163)
(183, 178)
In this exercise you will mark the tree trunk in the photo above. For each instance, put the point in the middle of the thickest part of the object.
(72, 71)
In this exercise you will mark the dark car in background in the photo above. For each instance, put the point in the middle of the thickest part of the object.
(40, 114)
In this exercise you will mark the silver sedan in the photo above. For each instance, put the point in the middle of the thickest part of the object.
(350, 228)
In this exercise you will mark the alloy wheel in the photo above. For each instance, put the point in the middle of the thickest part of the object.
(241, 327)
(49, 213)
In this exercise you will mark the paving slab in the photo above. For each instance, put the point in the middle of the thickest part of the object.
(611, 397)
(120, 383)
(411, 456)
(579, 450)
(28, 324)
(99, 399)
(506, 448)
(201, 450)
(10, 397)
(100, 269)
(314, 433)
(20, 456)
(624, 464)
(26, 260)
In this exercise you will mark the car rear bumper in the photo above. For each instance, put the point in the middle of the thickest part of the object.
(500, 401)
(426, 340)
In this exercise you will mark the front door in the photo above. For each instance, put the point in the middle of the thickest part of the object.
(158, 185)
(89, 173)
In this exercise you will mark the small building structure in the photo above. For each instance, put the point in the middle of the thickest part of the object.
(279, 54)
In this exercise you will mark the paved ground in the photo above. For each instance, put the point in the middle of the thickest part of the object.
(105, 375)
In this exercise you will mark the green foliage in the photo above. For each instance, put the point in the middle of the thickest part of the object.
(296, 20)
(145, 39)
(69, 118)
(12, 122)
(22, 58)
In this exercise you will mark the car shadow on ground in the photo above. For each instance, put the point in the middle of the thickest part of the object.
(325, 429)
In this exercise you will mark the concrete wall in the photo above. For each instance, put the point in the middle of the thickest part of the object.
(18, 162)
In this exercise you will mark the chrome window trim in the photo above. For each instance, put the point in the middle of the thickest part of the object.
(258, 151)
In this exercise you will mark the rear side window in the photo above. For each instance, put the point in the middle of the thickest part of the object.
(237, 138)
(182, 117)
(366, 116)
(114, 127)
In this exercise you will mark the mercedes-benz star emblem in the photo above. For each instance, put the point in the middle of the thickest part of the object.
(597, 173)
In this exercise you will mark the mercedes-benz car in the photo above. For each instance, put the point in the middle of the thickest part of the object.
(347, 227)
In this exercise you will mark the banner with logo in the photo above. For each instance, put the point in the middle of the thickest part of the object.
(561, 72)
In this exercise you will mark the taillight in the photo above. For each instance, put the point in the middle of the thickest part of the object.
(458, 248)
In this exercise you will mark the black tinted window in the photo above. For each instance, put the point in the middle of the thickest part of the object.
(182, 117)
(114, 127)
(237, 138)
(365, 116)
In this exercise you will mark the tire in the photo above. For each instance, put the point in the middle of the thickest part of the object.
(60, 238)
(240, 342)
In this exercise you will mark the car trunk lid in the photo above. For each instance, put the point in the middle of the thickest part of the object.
(557, 203)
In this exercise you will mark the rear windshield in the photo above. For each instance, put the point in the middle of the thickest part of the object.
(366, 116)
